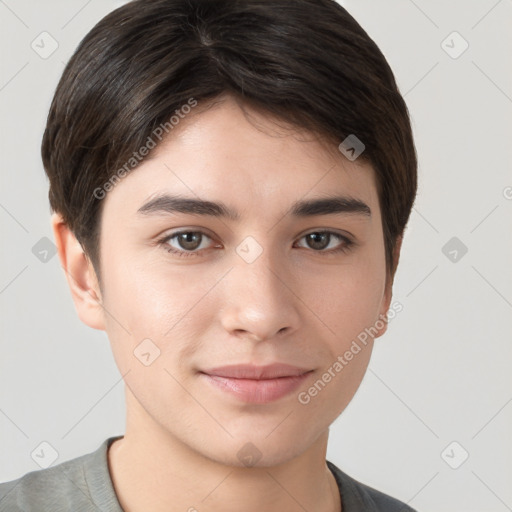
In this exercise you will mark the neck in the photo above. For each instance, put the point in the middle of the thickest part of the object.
(152, 470)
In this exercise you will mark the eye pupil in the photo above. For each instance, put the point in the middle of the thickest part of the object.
(189, 240)
(316, 237)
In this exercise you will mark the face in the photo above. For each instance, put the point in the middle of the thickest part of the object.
(235, 329)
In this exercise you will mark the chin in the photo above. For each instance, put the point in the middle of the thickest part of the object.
(255, 450)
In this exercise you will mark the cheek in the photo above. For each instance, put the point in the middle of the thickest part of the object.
(327, 396)
(144, 302)
(346, 299)
(347, 304)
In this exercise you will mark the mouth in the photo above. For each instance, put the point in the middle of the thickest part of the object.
(256, 384)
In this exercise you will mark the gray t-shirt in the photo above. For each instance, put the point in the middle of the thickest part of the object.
(83, 484)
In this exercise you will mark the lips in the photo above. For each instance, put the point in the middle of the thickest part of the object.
(256, 384)
(249, 371)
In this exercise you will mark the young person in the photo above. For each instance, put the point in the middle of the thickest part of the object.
(230, 180)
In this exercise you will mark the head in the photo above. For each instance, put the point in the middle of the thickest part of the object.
(245, 104)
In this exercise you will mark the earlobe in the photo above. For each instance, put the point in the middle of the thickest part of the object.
(80, 275)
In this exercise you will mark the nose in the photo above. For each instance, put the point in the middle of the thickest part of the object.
(259, 301)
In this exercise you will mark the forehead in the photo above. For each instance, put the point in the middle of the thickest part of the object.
(245, 159)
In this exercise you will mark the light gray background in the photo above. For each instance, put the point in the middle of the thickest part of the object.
(440, 374)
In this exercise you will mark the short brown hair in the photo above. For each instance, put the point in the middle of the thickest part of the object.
(307, 62)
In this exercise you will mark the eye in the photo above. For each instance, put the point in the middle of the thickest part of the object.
(189, 243)
(321, 240)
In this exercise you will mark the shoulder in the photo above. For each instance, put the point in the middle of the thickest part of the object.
(358, 497)
(53, 488)
(70, 485)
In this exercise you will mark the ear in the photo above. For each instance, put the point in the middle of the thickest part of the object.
(80, 275)
(388, 292)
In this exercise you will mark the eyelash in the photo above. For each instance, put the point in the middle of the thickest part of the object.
(345, 247)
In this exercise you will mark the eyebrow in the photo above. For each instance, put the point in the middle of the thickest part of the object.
(167, 204)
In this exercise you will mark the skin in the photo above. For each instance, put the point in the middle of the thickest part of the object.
(294, 304)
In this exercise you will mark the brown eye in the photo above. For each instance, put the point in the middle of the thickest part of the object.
(318, 240)
(189, 240)
(321, 240)
(186, 243)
